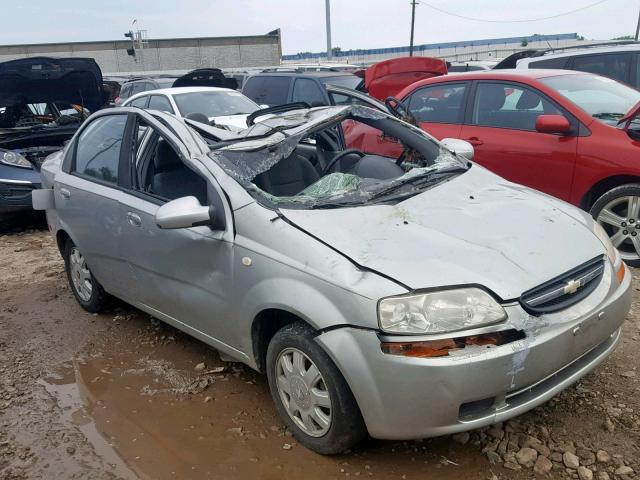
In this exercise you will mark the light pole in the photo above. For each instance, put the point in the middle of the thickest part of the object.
(328, 14)
(413, 19)
(638, 26)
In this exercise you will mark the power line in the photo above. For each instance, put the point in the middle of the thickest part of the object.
(474, 19)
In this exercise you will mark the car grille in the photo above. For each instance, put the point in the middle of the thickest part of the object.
(564, 290)
(15, 190)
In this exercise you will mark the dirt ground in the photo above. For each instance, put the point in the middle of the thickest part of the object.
(117, 395)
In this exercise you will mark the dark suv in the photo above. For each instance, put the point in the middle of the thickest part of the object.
(138, 85)
(277, 88)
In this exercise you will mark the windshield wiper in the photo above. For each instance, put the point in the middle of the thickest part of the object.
(420, 181)
(607, 115)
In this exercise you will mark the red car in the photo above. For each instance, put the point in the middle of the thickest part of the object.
(573, 135)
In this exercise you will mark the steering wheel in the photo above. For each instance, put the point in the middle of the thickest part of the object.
(398, 110)
(339, 157)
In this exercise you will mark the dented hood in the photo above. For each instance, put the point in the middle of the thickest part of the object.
(388, 78)
(475, 229)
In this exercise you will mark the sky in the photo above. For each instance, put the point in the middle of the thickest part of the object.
(355, 23)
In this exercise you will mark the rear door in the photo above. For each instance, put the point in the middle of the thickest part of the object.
(501, 127)
(439, 108)
(87, 191)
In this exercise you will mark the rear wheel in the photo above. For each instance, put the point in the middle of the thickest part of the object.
(88, 292)
(618, 212)
(310, 394)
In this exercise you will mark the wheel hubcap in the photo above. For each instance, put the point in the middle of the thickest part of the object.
(621, 220)
(303, 392)
(80, 275)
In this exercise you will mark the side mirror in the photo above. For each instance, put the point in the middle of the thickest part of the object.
(184, 212)
(461, 148)
(552, 124)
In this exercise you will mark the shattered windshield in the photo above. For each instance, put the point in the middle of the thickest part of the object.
(331, 157)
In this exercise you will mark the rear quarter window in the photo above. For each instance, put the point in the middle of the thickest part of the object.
(560, 62)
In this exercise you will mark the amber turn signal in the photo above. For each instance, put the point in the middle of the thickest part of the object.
(621, 271)
(441, 348)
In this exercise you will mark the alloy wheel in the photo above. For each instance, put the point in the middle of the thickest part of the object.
(303, 392)
(80, 275)
(621, 220)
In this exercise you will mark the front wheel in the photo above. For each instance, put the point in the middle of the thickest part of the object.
(618, 212)
(310, 394)
(88, 292)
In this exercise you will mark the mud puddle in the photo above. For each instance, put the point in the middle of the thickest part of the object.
(136, 397)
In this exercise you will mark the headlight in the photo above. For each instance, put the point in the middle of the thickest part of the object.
(603, 236)
(439, 312)
(14, 159)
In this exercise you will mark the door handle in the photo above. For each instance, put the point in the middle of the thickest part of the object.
(475, 141)
(134, 219)
(65, 193)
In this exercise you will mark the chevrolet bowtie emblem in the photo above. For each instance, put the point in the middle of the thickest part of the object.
(572, 286)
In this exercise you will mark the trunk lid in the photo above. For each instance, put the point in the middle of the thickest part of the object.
(388, 78)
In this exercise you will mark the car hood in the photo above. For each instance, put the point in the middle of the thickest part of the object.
(474, 229)
(44, 79)
(236, 122)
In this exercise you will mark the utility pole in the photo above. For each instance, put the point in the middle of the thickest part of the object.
(328, 14)
(638, 26)
(413, 20)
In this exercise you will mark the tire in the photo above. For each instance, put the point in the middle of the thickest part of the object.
(346, 427)
(92, 297)
(611, 212)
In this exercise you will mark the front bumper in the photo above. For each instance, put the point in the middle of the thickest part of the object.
(407, 398)
(16, 194)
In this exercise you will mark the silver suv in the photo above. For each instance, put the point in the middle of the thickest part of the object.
(401, 297)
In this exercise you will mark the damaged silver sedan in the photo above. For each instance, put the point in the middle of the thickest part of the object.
(401, 297)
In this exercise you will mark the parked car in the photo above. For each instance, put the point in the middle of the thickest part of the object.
(401, 297)
(557, 131)
(43, 101)
(379, 81)
(278, 88)
(143, 84)
(222, 106)
(617, 60)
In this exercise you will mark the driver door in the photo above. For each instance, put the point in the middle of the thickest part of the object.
(184, 276)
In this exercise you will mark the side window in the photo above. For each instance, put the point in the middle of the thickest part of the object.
(438, 103)
(98, 148)
(125, 91)
(140, 102)
(160, 102)
(612, 65)
(305, 90)
(559, 62)
(267, 90)
(160, 170)
(509, 106)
